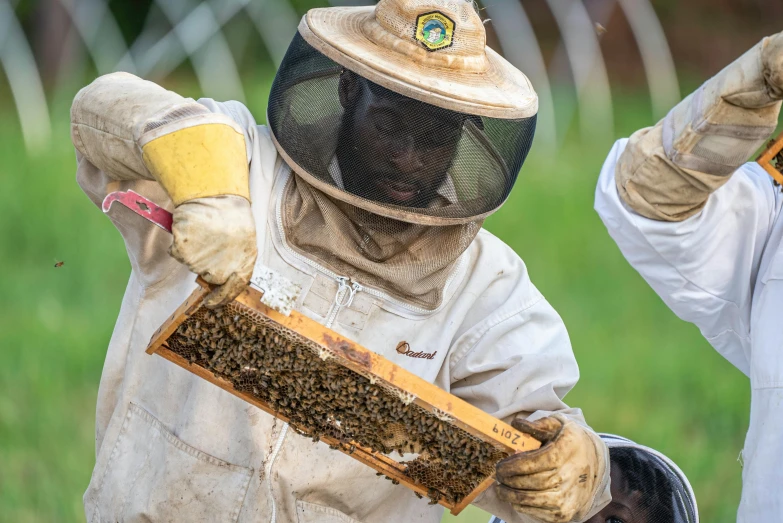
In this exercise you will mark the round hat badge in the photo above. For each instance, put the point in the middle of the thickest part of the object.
(434, 30)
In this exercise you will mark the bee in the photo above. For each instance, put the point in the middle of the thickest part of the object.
(327, 400)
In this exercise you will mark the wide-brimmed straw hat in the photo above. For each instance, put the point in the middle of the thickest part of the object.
(430, 50)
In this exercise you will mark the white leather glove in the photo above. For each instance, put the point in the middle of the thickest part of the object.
(667, 172)
(203, 168)
(772, 62)
(719, 126)
(559, 482)
(216, 238)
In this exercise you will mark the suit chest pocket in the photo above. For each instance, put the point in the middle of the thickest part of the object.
(152, 475)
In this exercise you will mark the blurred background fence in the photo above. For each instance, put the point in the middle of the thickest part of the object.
(602, 68)
(49, 44)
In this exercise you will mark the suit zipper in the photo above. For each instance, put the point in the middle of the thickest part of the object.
(271, 461)
(343, 298)
(346, 291)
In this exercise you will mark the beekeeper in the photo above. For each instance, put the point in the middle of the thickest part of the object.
(703, 228)
(384, 152)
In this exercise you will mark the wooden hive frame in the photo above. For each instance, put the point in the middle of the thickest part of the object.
(363, 361)
(766, 157)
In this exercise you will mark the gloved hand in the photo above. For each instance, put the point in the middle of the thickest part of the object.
(216, 238)
(719, 126)
(132, 129)
(203, 168)
(772, 64)
(559, 482)
(668, 172)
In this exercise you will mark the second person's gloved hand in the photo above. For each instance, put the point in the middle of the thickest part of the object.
(772, 65)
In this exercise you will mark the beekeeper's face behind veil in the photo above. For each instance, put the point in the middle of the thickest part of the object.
(404, 132)
(392, 149)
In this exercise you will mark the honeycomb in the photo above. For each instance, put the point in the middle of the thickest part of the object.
(306, 383)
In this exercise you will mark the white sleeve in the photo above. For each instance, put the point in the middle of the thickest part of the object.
(513, 355)
(705, 267)
(522, 364)
(762, 472)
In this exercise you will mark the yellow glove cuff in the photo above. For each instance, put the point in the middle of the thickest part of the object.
(199, 161)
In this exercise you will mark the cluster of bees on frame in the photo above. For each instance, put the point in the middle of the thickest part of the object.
(777, 160)
(320, 397)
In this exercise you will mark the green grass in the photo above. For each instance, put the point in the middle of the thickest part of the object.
(645, 374)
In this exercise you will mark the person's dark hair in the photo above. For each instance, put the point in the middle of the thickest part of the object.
(645, 475)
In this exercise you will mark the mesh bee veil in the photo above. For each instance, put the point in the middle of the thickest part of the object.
(388, 153)
(647, 487)
(662, 490)
(391, 181)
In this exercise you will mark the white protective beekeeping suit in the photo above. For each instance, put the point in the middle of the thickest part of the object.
(703, 228)
(172, 447)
